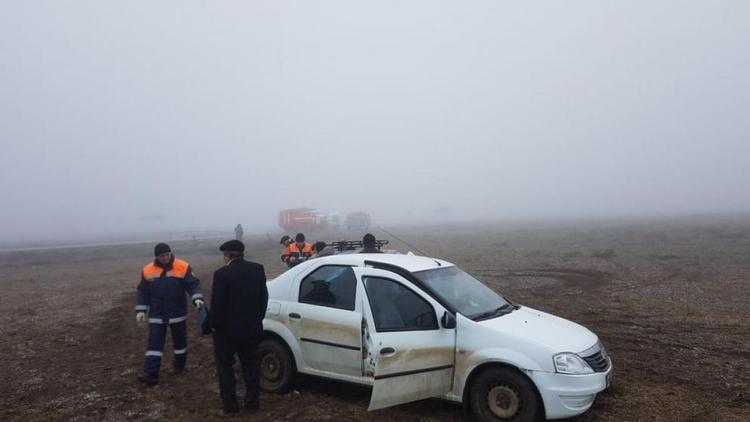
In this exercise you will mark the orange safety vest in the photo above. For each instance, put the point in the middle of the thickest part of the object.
(179, 268)
(293, 251)
(162, 292)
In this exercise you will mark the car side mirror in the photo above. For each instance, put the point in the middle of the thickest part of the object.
(448, 320)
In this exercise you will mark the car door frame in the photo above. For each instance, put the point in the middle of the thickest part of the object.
(404, 378)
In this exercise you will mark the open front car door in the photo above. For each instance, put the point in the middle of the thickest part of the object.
(410, 356)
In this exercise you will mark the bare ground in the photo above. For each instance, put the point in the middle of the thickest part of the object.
(669, 299)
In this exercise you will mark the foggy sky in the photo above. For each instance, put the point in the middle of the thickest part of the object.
(214, 113)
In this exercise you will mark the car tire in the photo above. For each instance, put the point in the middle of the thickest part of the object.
(276, 367)
(504, 394)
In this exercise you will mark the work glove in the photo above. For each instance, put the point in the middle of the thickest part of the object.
(198, 303)
(140, 317)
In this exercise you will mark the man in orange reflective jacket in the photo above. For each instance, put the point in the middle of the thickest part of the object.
(297, 252)
(161, 293)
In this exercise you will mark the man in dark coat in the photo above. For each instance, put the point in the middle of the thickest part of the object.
(239, 299)
(370, 244)
(320, 249)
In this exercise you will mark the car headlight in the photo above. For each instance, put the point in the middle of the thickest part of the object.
(571, 363)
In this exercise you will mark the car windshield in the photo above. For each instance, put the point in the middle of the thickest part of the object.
(464, 293)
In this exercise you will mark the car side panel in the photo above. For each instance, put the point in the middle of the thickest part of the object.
(472, 351)
(330, 339)
(276, 325)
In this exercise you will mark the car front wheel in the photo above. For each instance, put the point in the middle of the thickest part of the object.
(503, 394)
(276, 367)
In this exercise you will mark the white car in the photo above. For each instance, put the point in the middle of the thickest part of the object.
(414, 327)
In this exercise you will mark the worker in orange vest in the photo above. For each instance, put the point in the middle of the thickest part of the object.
(297, 252)
(165, 283)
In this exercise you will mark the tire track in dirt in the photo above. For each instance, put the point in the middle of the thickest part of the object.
(571, 277)
(578, 277)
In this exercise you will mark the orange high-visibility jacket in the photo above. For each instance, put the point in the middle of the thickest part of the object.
(162, 291)
(293, 251)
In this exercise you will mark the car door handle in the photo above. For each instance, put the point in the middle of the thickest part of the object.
(387, 351)
(295, 315)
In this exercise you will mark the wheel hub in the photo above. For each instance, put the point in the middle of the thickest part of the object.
(270, 367)
(503, 401)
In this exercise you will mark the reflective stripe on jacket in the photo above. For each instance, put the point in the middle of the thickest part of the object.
(162, 291)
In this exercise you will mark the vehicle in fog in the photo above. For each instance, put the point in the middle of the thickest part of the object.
(298, 219)
(308, 219)
(358, 221)
(415, 327)
(329, 220)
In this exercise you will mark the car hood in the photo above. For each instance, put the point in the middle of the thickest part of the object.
(546, 330)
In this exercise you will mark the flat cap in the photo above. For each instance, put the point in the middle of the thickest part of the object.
(232, 246)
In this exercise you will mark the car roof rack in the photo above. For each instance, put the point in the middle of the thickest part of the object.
(351, 245)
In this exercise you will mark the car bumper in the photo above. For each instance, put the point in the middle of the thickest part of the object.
(565, 396)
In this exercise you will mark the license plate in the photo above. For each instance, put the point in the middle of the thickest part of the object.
(609, 379)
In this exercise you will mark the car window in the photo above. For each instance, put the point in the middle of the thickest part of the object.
(395, 307)
(461, 291)
(331, 285)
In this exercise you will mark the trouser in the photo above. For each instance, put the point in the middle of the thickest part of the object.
(249, 354)
(156, 335)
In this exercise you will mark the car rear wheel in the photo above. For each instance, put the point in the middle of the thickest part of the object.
(503, 394)
(276, 367)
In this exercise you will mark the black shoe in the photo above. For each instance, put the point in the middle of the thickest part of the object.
(148, 380)
(251, 408)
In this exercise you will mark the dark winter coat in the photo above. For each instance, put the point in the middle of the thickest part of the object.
(239, 299)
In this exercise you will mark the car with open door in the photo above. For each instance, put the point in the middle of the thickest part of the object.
(415, 327)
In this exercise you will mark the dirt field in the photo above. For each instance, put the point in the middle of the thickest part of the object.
(669, 299)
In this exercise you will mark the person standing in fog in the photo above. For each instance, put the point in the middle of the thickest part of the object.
(238, 232)
(320, 249)
(165, 283)
(239, 299)
(370, 244)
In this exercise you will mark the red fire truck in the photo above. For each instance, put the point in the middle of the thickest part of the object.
(298, 219)
(310, 219)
